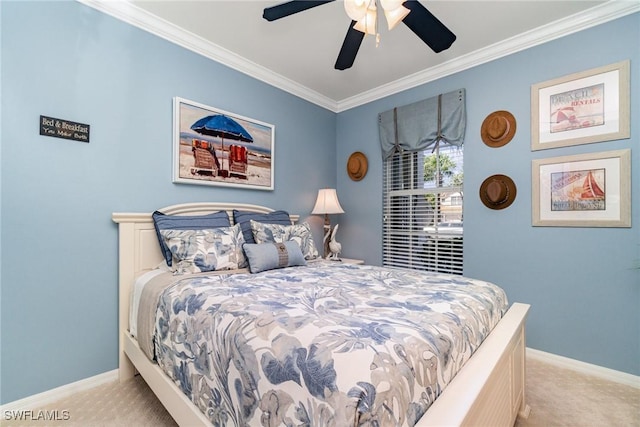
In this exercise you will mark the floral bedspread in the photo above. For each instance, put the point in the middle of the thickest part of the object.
(322, 345)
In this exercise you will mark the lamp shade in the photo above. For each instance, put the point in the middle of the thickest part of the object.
(327, 202)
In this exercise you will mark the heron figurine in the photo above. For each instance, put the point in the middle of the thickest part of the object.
(334, 246)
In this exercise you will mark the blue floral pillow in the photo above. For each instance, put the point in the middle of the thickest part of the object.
(196, 251)
(185, 222)
(244, 218)
(299, 233)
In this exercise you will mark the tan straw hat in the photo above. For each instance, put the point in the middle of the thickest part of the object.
(498, 128)
(357, 166)
(498, 192)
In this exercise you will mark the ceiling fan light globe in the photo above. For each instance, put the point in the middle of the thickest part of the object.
(395, 16)
(356, 9)
(364, 27)
(367, 24)
(391, 4)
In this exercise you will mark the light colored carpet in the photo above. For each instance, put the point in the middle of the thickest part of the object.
(558, 397)
(561, 397)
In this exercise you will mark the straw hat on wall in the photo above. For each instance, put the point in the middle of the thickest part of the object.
(498, 128)
(357, 166)
(498, 192)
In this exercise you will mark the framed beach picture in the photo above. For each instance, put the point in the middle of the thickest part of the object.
(582, 108)
(585, 190)
(215, 147)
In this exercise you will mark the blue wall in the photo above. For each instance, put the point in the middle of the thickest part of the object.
(66, 60)
(59, 245)
(581, 282)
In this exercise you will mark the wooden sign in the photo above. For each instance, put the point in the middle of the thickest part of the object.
(59, 128)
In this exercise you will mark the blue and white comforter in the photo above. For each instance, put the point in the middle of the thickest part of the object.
(322, 345)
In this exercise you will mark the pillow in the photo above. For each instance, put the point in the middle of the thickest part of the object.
(196, 251)
(244, 219)
(299, 233)
(269, 256)
(178, 222)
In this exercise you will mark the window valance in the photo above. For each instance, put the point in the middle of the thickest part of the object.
(418, 126)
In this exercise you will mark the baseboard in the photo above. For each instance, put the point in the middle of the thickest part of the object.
(585, 368)
(42, 399)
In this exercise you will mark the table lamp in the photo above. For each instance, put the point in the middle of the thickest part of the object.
(327, 203)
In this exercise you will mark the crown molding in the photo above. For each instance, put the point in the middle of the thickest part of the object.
(563, 27)
(131, 14)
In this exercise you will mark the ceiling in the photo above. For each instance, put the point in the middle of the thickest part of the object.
(297, 53)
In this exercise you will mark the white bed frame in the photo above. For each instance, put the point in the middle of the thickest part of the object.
(488, 391)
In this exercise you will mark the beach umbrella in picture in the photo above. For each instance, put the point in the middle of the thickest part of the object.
(565, 114)
(223, 127)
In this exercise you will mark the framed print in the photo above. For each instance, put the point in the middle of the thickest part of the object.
(586, 190)
(591, 106)
(215, 147)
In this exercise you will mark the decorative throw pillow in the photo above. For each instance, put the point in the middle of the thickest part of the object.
(183, 222)
(244, 219)
(269, 256)
(196, 251)
(299, 233)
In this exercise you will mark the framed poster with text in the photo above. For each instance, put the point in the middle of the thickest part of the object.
(585, 190)
(582, 108)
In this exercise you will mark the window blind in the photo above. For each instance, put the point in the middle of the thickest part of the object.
(422, 223)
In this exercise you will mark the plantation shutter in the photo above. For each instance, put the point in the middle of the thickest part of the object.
(422, 215)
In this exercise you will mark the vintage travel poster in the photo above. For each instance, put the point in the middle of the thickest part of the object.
(577, 109)
(581, 108)
(582, 190)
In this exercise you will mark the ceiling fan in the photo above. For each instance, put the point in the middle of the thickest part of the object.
(419, 20)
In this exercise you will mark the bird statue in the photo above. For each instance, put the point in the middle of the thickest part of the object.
(334, 246)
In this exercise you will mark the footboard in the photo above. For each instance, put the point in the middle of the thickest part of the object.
(489, 390)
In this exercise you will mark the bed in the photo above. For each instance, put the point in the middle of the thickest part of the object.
(488, 388)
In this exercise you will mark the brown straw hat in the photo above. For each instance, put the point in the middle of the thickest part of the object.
(498, 192)
(498, 128)
(357, 166)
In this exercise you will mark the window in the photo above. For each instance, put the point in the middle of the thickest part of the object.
(422, 206)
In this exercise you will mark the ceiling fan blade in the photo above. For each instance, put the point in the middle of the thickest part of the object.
(289, 8)
(350, 47)
(426, 26)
